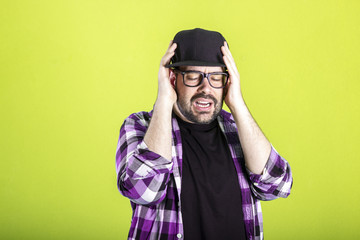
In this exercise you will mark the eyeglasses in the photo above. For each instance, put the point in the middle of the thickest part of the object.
(195, 78)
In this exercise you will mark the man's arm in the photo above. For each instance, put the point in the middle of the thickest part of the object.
(158, 136)
(255, 146)
(143, 157)
(269, 173)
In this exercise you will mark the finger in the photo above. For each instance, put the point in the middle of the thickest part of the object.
(172, 47)
(227, 50)
(226, 53)
(166, 58)
(231, 60)
(231, 67)
(227, 47)
(170, 44)
(223, 50)
(169, 53)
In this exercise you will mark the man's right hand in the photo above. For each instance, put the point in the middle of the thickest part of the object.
(166, 91)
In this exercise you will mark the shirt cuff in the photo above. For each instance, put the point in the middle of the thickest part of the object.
(275, 168)
(150, 162)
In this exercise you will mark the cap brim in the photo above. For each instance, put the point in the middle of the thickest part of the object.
(195, 63)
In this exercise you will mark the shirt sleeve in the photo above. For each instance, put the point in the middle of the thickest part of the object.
(275, 181)
(142, 175)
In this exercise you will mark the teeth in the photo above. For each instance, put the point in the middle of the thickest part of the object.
(202, 104)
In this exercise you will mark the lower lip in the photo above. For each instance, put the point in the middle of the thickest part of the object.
(202, 109)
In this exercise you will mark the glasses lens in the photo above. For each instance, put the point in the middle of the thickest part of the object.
(192, 78)
(218, 80)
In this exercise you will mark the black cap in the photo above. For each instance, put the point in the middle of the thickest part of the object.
(198, 47)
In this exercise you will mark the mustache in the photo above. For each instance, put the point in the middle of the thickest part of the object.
(203, 95)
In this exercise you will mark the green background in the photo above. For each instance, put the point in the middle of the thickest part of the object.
(72, 71)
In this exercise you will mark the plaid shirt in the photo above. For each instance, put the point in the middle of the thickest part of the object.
(153, 183)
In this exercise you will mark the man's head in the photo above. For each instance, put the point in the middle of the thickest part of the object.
(198, 53)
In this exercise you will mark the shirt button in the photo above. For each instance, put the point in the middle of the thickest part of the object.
(178, 235)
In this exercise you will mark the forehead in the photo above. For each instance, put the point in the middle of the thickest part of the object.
(205, 69)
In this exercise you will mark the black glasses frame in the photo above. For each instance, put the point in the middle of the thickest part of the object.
(204, 75)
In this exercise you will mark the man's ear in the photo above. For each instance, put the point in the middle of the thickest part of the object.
(225, 90)
(172, 77)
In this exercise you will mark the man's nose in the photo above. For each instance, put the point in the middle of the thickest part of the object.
(205, 85)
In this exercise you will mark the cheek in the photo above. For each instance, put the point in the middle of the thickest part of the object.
(220, 95)
(184, 98)
(184, 93)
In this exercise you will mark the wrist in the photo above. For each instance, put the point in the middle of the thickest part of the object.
(236, 105)
(166, 95)
(163, 103)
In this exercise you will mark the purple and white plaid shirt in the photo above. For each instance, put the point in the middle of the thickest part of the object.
(153, 183)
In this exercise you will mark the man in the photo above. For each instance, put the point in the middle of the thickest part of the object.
(191, 169)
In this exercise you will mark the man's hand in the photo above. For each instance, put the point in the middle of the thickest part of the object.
(233, 95)
(166, 91)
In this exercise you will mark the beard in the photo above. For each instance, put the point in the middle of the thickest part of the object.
(188, 113)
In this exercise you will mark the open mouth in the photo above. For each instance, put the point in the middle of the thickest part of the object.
(202, 104)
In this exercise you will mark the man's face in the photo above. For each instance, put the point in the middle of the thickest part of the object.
(200, 104)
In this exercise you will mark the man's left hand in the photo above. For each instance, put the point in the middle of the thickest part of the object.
(232, 90)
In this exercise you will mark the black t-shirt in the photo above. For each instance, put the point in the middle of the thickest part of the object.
(210, 191)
